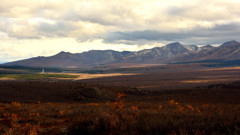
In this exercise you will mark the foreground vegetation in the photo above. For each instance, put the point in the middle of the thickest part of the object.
(119, 117)
(58, 107)
(36, 76)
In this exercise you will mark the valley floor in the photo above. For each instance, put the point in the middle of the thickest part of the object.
(163, 101)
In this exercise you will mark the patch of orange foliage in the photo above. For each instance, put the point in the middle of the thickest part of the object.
(190, 107)
(134, 108)
(94, 104)
(198, 110)
(16, 104)
(118, 105)
(160, 107)
(171, 102)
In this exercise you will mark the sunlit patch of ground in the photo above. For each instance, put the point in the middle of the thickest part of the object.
(218, 76)
(224, 68)
(91, 76)
(80, 76)
(208, 80)
(6, 78)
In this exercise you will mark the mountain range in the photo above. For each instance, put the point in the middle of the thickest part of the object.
(173, 52)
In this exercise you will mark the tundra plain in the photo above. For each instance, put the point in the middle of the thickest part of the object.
(167, 99)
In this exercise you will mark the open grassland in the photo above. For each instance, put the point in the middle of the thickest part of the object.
(73, 107)
(173, 77)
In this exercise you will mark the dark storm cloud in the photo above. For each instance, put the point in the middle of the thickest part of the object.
(227, 27)
(199, 35)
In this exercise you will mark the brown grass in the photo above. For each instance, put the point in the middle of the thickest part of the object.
(73, 107)
(120, 117)
(162, 79)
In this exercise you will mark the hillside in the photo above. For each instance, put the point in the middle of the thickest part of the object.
(170, 53)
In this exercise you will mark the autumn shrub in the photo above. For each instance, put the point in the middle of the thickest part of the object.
(119, 117)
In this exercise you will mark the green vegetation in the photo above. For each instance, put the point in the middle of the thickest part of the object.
(31, 69)
(36, 76)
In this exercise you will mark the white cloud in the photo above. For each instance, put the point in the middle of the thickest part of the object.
(94, 17)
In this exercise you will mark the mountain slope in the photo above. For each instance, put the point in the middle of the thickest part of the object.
(192, 48)
(174, 52)
(156, 54)
(227, 51)
(66, 59)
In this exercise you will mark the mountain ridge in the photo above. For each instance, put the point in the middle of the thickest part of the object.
(173, 52)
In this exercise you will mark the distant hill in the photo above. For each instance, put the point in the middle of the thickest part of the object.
(66, 59)
(156, 54)
(227, 51)
(174, 52)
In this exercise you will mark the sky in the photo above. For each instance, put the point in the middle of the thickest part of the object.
(30, 28)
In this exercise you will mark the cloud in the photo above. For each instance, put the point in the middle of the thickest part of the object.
(17, 28)
(59, 28)
(198, 35)
(87, 20)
